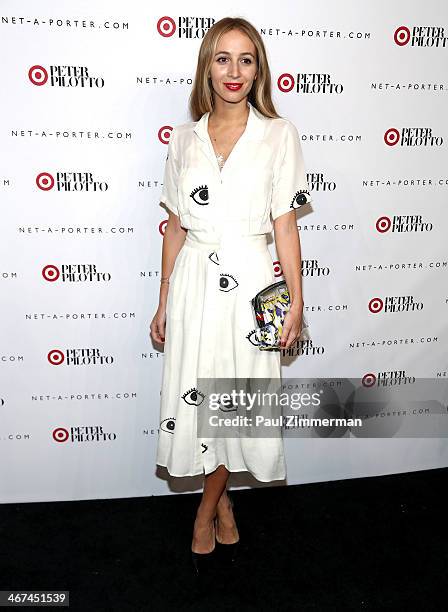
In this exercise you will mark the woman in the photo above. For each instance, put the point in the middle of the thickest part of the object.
(227, 172)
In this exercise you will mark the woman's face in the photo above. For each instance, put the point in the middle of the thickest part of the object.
(234, 63)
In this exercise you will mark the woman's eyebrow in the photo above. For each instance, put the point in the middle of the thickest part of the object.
(228, 53)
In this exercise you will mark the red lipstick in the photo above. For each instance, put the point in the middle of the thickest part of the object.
(233, 86)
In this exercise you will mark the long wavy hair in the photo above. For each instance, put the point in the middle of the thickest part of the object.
(202, 95)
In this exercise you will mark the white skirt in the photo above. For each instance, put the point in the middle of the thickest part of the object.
(208, 319)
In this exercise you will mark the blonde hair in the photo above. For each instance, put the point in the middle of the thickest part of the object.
(201, 97)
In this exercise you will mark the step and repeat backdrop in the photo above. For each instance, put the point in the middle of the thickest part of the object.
(91, 91)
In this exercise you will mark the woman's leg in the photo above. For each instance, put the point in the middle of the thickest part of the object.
(226, 529)
(214, 500)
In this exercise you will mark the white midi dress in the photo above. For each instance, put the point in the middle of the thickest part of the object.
(223, 263)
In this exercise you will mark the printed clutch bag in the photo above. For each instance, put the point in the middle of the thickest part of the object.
(270, 306)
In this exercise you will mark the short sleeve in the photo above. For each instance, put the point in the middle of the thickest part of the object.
(290, 187)
(170, 176)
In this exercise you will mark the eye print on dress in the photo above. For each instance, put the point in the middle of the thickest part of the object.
(193, 397)
(214, 257)
(227, 282)
(200, 195)
(228, 408)
(168, 425)
(300, 198)
(264, 336)
(253, 337)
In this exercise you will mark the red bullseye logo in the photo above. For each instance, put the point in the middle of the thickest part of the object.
(38, 75)
(392, 137)
(368, 380)
(162, 226)
(376, 305)
(164, 133)
(55, 357)
(285, 82)
(383, 224)
(277, 268)
(50, 273)
(402, 36)
(45, 181)
(60, 434)
(166, 26)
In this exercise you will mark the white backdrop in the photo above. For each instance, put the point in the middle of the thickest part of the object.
(90, 93)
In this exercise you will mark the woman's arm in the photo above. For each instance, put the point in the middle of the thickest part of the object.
(173, 241)
(287, 244)
(290, 191)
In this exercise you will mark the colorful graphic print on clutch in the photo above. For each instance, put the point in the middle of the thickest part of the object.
(270, 307)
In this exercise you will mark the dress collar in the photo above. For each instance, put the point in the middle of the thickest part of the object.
(254, 128)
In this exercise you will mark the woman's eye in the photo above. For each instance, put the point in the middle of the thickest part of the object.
(246, 60)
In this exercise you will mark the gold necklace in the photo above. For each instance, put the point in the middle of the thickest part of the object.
(219, 156)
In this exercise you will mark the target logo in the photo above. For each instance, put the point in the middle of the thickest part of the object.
(277, 268)
(63, 76)
(368, 380)
(38, 75)
(162, 226)
(164, 134)
(60, 434)
(51, 273)
(383, 224)
(75, 273)
(55, 357)
(285, 82)
(45, 181)
(376, 305)
(416, 136)
(185, 26)
(392, 137)
(79, 356)
(166, 26)
(74, 181)
(432, 36)
(402, 36)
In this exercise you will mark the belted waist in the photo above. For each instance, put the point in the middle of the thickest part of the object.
(233, 241)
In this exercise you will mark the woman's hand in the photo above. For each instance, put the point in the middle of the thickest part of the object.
(158, 323)
(292, 327)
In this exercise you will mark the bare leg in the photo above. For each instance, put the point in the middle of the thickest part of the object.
(203, 530)
(226, 529)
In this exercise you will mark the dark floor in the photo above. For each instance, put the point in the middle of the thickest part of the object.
(365, 544)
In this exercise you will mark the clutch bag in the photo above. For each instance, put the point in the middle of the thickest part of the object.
(270, 306)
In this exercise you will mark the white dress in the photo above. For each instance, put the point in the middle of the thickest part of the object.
(223, 263)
